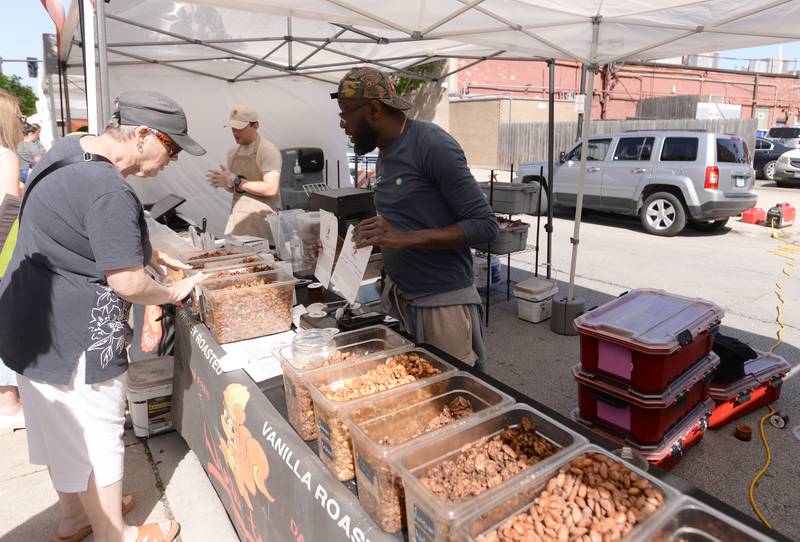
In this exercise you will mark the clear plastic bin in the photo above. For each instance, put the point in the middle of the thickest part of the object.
(308, 228)
(333, 435)
(350, 347)
(235, 310)
(518, 499)
(694, 521)
(382, 428)
(201, 259)
(257, 263)
(432, 518)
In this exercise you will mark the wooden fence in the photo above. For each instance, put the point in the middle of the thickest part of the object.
(524, 142)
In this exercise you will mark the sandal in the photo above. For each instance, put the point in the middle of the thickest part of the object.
(86, 531)
(152, 532)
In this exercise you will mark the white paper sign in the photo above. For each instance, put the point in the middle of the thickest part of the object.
(580, 104)
(328, 233)
(350, 267)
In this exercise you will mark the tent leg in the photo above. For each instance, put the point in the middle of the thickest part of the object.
(105, 98)
(581, 185)
(550, 166)
(86, 11)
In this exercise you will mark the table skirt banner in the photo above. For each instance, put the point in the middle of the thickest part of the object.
(272, 484)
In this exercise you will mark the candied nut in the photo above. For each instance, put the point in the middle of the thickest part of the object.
(486, 463)
(606, 512)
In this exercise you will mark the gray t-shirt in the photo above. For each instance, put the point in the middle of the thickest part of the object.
(28, 151)
(79, 221)
(424, 183)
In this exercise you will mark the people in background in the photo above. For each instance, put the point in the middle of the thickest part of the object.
(29, 150)
(64, 306)
(430, 211)
(252, 175)
(11, 122)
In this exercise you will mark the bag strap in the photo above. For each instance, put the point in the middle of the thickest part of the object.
(85, 157)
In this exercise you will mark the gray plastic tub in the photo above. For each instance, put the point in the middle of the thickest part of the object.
(514, 198)
(509, 240)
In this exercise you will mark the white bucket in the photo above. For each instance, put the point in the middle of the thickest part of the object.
(535, 299)
(150, 395)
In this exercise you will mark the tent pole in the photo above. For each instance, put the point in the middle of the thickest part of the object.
(89, 62)
(105, 93)
(581, 183)
(61, 70)
(587, 118)
(550, 165)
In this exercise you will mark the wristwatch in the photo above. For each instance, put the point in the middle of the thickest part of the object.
(237, 184)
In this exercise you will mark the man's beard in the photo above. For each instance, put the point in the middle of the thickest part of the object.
(365, 139)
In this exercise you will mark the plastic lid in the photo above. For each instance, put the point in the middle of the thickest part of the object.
(699, 371)
(758, 371)
(653, 321)
(150, 372)
(537, 287)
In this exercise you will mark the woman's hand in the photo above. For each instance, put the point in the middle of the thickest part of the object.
(182, 289)
(161, 262)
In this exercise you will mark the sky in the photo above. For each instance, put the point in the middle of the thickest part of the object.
(21, 36)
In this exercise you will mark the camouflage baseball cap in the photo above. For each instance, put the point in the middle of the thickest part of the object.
(370, 84)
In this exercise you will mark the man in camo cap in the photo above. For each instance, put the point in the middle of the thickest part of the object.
(430, 211)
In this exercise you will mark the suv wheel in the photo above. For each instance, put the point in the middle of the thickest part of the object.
(705, 226)
(768, 171)
(663, 214)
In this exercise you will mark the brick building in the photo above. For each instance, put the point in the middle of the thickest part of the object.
(772, 98)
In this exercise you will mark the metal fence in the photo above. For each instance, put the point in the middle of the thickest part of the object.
(523, 142)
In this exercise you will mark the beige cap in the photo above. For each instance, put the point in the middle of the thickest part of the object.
(241, 116)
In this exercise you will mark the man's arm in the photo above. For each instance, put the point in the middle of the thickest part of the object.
(267, 187)
(444, 162)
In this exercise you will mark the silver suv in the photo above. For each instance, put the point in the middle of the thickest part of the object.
(668, 178)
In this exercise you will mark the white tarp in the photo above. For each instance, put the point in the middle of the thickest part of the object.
(293, 113)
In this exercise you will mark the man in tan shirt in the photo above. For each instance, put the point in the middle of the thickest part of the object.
(252, 175)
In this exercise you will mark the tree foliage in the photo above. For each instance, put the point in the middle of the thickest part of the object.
(25, 94)
(408, 85)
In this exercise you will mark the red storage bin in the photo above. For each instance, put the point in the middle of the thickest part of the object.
(647, 338)
(756, 215)
(644, 418)
(667, 453)
(760, 386)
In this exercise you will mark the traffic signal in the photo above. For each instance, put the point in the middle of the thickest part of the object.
(33, 67)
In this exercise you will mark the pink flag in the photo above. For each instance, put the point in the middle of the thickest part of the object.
(55, 8)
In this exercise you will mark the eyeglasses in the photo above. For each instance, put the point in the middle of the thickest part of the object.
(343, 114)
(23, 119)
(172, 148)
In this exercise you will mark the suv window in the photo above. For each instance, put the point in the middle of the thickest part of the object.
(634, 148)
(784, 133)
(598, 148)
(679, 149)
(732, 150)
(763, 144)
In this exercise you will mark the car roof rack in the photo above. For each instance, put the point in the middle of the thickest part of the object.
(705, 130)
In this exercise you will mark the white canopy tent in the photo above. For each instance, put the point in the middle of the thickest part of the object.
(271, 50)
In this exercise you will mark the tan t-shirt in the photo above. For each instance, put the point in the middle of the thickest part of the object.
(249, 212)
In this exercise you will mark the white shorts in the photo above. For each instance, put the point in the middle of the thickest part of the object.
(76, 429)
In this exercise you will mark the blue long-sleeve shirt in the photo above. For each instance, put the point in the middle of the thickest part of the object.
(424, 183)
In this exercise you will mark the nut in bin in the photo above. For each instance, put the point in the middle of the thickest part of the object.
(243, 453)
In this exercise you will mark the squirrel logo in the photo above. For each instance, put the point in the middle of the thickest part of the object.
(243, 453)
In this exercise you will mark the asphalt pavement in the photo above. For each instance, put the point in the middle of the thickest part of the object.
(736, 268)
